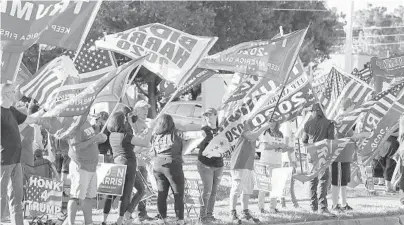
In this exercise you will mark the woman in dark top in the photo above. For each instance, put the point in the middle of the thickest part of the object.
(122, 143)
(210, 169)
(167, 167)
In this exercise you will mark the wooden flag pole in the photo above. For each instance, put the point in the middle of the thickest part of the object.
(122, 94)
(298, 148)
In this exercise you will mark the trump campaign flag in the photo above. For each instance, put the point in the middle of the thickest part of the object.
(81, 103)
(385, 70)
(382, 129)
(173, 54)
(48, 79)
(232, 125)
(262, 58)
(61, 23)
(322, 154)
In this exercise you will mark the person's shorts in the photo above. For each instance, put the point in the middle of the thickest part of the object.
(83, 183)
(62, 162)
(340, 172)
(243, 181)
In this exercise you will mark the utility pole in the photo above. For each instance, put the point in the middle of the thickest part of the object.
(348, 41)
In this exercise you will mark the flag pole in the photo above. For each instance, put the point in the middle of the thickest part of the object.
(39, 57)
(122, 94)
(298, 148)
(289, 70)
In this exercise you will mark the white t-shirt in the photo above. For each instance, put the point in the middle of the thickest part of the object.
(270, 157)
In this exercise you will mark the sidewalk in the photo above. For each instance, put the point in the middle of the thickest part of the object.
(368, 210)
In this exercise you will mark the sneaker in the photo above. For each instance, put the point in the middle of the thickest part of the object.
(263, 211)
(337, 208)
(273, 210)
(325, 212)
(247, 216)
(203, 220)
(234, 217)
(146, 218)
(210, 217)
(347, 208)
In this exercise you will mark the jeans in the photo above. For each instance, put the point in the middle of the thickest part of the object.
(11, 186)
(127, 188)
(168, 174)
(141, 207)
(323, 191)
(140, 192)
(211, 177)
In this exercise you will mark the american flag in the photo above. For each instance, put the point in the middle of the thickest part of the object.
(90, 63)
(364, 74)
(49, 194)
(336, 82)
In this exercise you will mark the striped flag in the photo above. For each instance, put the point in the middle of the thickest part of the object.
(364, 74)
(354, 89)
(48, 79)
(91, 64)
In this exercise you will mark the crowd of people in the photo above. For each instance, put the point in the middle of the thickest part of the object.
(126, 137)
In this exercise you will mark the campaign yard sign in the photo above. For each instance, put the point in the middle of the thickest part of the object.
(263, 173)
(44, 195)
(111, 179)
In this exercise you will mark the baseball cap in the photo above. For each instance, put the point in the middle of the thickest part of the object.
(210, 111)
(141, 104)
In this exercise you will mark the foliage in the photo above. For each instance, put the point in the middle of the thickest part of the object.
(368, 40)
(232, 22)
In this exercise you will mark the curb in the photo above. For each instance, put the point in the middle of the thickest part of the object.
(390, 220)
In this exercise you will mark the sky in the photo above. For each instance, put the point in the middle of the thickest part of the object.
(343, 5)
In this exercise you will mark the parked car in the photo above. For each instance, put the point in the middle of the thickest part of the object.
(187, 115)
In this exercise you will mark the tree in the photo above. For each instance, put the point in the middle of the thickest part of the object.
(232, 22)
(379, 42)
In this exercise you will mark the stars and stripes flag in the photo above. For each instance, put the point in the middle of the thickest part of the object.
(44, 190)
(91, 64)
(365, 74)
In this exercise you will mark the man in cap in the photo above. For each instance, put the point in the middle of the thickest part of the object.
(317, 129)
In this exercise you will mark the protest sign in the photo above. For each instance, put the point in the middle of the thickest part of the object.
(44, 195)
(10, 62)
(385, 70)
(172, 53)
(281, 178)
(111, 179)
(60, 23)
(262, 177)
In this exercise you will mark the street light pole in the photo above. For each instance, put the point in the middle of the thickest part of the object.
(348, 42)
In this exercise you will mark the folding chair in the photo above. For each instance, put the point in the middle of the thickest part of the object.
(190, 197)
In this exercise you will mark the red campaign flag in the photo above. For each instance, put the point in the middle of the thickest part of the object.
(385, 70)
(61, 23)
(81, 103)
(268, 58)
(322, 154)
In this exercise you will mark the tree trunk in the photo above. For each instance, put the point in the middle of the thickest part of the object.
(152, 91)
